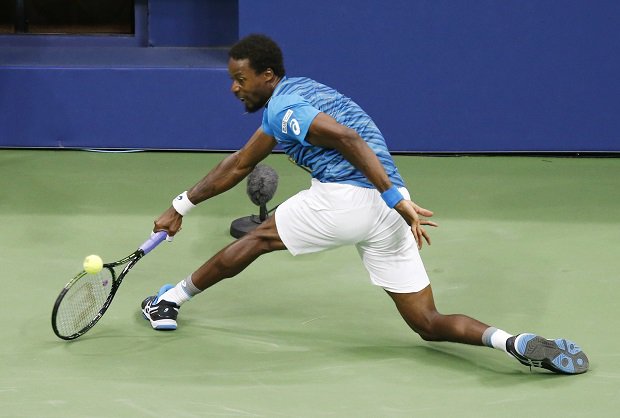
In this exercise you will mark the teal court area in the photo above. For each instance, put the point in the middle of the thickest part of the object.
(524, 243)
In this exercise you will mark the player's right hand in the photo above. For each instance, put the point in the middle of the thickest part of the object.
(169, 221)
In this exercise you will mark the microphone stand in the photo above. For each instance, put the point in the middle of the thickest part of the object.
(241, 226)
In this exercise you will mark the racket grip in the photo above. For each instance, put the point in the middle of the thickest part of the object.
(153, 242)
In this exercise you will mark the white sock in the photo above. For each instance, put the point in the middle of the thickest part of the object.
(495, 338)
(182, 292)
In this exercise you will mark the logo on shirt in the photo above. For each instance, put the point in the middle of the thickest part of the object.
(287, 122)
(295, 126)
(285, 119)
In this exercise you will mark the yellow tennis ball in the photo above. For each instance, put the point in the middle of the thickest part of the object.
(93, 264)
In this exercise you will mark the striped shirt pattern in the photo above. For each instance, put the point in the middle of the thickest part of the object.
(289, 113)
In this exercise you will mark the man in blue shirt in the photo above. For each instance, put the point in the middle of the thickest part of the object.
(357, 197)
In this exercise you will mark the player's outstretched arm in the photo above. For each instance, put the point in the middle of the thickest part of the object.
(233, 168)
(224, 176)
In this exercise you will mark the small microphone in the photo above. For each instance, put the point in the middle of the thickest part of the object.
(261, 187)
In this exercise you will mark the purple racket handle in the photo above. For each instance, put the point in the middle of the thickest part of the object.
(153, 242)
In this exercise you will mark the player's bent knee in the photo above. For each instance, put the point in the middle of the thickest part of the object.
(428, 336)
(424, 326)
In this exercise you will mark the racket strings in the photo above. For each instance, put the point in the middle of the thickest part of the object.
(83, 302)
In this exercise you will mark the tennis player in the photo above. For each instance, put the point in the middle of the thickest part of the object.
(356, 197)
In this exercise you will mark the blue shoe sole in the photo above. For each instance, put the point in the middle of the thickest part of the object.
(560, 355)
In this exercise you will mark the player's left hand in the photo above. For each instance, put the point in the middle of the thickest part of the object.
(411, 213)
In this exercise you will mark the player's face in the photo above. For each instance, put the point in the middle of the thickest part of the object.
(253, 89)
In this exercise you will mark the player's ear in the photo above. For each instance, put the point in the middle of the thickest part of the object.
(268, 74)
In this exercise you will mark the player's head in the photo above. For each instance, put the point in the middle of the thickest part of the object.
(255, 65)
(261, 52)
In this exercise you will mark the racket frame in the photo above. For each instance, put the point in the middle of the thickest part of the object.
(128, 261)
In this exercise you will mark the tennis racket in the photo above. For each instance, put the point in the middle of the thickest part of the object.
(84, 300)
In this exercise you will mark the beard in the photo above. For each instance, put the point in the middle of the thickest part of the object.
(255, 106)
(255, 103)
(252, 108)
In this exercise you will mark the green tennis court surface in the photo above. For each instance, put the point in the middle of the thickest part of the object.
(525, 244)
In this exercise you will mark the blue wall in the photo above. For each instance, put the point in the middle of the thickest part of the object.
(437, 76)
(463, 75)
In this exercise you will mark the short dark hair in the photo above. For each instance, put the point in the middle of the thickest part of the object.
(261, 51)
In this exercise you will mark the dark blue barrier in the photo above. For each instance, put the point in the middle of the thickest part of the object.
(121, 98)
(437, 76)
(485, 75)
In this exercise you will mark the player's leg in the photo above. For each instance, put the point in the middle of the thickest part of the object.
(419, 312)
(294, 223)
(235, 257)
(391, 257)
(162, 309)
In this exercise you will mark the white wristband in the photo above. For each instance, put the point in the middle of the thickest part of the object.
(182, 204)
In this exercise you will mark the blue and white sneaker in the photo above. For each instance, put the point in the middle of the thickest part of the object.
(560, 355)
(160, 313)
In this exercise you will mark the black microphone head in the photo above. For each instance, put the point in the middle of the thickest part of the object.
(262, 184)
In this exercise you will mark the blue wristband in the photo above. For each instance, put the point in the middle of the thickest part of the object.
(391, 197)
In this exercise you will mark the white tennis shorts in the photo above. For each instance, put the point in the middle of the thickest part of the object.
(329, 215)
